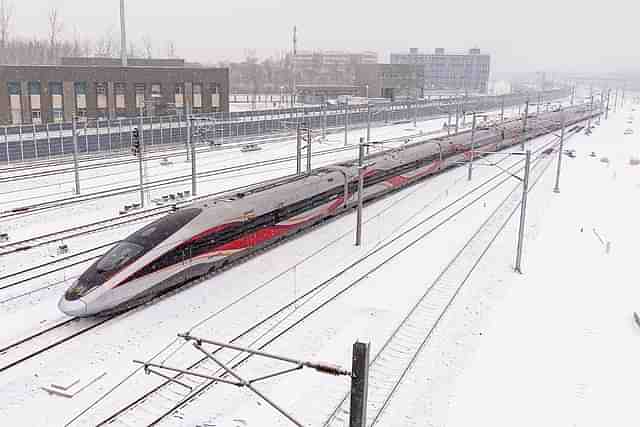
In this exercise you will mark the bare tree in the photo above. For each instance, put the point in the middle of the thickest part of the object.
(6, 9)
(76, 49)
(171, 49)
(134, 52)
(55, 28)
(106, 45)
(147, 45)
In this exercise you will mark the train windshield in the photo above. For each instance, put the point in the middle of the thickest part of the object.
(118, 256)
(156, 232)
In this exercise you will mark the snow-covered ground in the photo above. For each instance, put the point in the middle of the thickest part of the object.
(561, 348)
(369, 312)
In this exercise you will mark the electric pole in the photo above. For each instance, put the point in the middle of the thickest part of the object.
(524, 122)
(346, 123)
(293, 62)
(368, 121)
(473, 133)
(192, 145)
(123, 36)
(523, 210)
(76, 167)
(360, 190)
(556, 189)
(140, 162)
(298, 150)
(308, 150)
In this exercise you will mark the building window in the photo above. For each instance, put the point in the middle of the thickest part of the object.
(14, 102)
(139, 89)
(57, 116)
(120, 89)
(156, 90)
(34, 100)
(81, 99)
(197, 97)
(57, 107)
(179, 96)
(101, 99)
(34, 88)
(214, 88)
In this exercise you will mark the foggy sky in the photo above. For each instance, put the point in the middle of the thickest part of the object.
(560, 35)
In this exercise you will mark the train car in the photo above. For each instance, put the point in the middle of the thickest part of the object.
(207, 235)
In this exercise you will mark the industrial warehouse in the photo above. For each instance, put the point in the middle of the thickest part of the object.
(98, 89)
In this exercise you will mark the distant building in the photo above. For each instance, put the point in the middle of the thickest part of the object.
(468, 72)
(392, 81)
(329, 67)
(101, 88)
(316, 94)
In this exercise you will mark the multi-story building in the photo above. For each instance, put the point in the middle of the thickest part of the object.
(43, 93)
(329, 67)
(468, 72)
(392, 81)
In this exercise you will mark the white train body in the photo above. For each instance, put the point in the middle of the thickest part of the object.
(207, 235)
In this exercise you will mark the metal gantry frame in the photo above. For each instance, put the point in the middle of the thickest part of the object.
(231, 375)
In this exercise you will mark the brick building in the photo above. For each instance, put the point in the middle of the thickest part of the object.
(43, 93)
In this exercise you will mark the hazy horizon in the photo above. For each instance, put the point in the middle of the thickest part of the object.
(562, 36)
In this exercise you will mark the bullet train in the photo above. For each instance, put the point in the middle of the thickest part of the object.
(208, 235)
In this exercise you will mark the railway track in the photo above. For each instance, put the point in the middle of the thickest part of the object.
(396, 356)
(46, 339)
(151, 185)
(42, 341)
(158, 403)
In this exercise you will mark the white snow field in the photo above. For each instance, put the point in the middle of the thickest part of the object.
(225, 305)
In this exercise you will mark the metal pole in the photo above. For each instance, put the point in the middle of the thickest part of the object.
(415, 114)
(193, 155)
(502, 110)
(6, 145)
(346, 125)
(523, 210)
(298, 151)
(76, 168)
(48, 141)
(606, 111)
(123, 36)
(324, 121)
(140, 163)
(473, 133)
(615, 102)
(359, 384)
(448, 122)
(524, 123)
(360, 190)
(457, 115)
(588, 131)
(573, 93)
(368, 122)
(35, 141)
(556, 189)
(308, 150)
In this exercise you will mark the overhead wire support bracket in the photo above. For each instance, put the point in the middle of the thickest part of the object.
(238, 381)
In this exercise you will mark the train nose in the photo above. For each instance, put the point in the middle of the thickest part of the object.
(72, 308)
